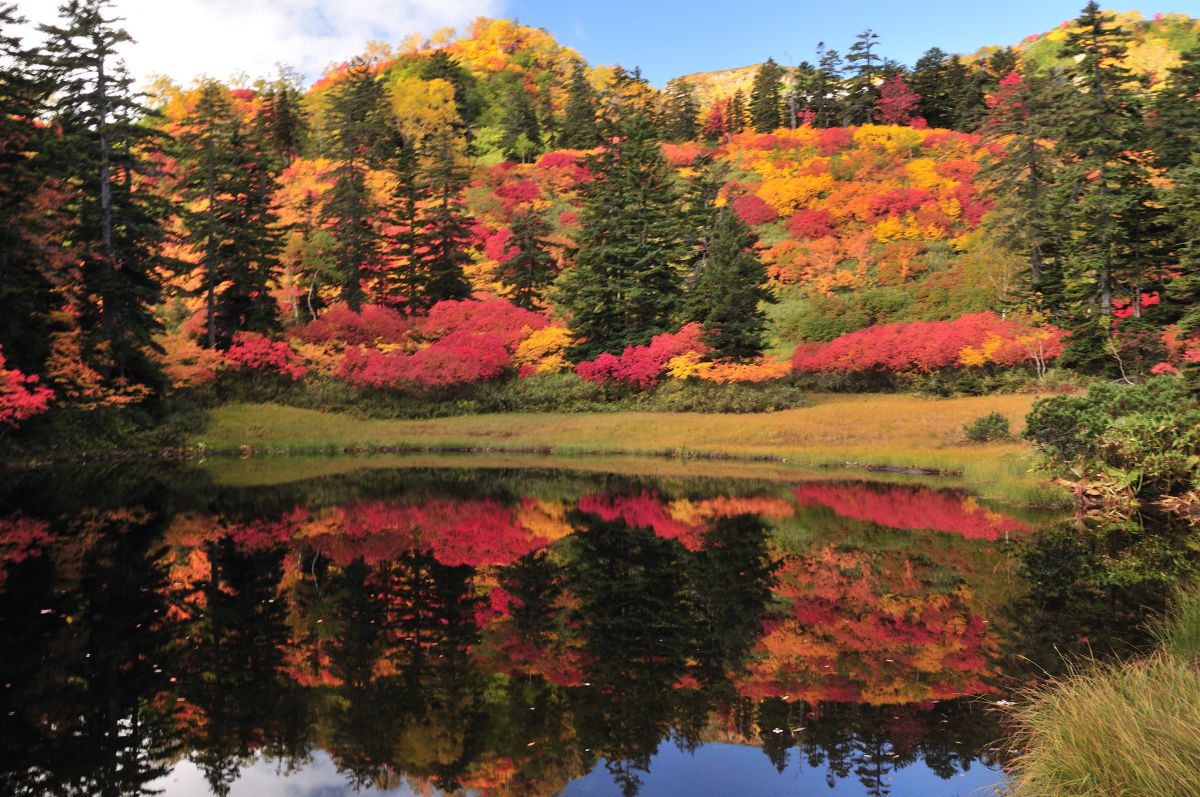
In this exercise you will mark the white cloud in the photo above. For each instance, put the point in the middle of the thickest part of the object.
(184, 39)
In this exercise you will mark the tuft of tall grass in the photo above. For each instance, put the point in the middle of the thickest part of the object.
(1179, 633)
(1129, 730)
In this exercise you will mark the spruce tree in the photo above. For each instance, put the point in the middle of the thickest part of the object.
(1022, 120)
(766, 97)
(1183, 206)
(105, 149)
(531, 269)
(521, 135)
(25, 291)
(682, 115)
(866, 70)
(227, 181)
(931, 79)
(1175, 132)
(444, 228)
(738, 116)
(579, 128)
(1104, 191)
(358, 140)
(280, 123)
(625, 285)
(728, 295)
(827, 88)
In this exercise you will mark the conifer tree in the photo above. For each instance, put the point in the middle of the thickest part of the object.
(827, 88)
(521, 136)
(766, 97)
(1175, 132)
(728, 295)
(25, 292)
(737, 117)
(682, 117)
(931, 80)
(443, 226)
(1104, 191)
(625, 285)
(866, 70)
(358, 140)
(531, 269)
(280, 123)
(105, 150)
(1183, 206)
(1022, 120)
(579, 129)
(227, 180)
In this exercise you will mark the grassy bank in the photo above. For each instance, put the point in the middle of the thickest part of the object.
(1130, 729)
(894, 431)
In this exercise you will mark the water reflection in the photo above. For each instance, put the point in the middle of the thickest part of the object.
(515, 633)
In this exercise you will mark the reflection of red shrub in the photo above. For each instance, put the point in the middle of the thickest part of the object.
(910, 508)
(644, 511)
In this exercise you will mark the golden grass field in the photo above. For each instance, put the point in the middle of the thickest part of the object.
(836, 430)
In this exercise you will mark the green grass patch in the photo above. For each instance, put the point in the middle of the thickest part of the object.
(844, 431)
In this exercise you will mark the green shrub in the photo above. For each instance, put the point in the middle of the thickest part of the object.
(697, 396)
(988, 428)
(1150, 431)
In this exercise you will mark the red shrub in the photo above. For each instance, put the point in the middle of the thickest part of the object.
(754, 210)
(21, 397)
(926, 346)
(259, 353)
(643, 365)
(459, 358)
(833, 140)
(498, 317)
(371, 325)
(812, 224)
(899, 201)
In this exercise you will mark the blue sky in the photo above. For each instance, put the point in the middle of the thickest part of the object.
(667, 38)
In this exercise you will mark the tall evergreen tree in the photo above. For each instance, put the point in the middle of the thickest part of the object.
(681, 118)
(444, 228)
(25, 292)
(104, 149)
(227, 180)
(280, 123)
(766, 97)
(1183, 206)
(727, 297)
(1104, 190)
(1175, 129)
(1022, 121)
(827, 88)
(359, 138)
(866, 71)
(931, 79)
(531, 269)
(521, 134)
(738, 116)
(579, 129)
(625, 285)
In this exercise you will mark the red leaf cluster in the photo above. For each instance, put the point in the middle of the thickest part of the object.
(21, 397)
(643, 365)
(255, 352)
(458, 358)
(927, 346)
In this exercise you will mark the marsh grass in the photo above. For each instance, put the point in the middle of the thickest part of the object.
(852, 430)
(1130, 730)
(1117, 730)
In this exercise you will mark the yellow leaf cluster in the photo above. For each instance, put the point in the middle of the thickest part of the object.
(789, 194)
(544, 349)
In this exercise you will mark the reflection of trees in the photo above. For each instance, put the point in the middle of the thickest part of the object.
(94, 711)
(486, 653)
(651, 614)
(873, 742)
(235, 674)
(1090, 589)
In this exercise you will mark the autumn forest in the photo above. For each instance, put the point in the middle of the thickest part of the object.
(519, 427)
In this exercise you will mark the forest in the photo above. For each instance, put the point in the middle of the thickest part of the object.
(458, 213)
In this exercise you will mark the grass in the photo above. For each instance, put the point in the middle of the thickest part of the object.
(1124, 730)
(894, 431)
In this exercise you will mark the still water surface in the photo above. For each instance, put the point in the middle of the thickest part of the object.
(510, 632)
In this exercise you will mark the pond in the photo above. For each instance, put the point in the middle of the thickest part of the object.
(506, 631)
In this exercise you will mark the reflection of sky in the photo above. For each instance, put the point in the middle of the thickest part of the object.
(714, 769)
(725, 769)
(319, 778)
